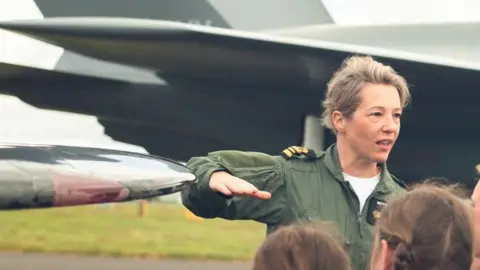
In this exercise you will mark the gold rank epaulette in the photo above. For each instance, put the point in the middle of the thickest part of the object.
(292, 151)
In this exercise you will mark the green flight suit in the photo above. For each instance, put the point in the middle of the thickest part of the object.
(303, 189)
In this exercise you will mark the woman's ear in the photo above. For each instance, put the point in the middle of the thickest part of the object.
(338, 121)
(386, 255)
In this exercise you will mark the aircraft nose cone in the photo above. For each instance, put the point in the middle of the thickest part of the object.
(38, 176)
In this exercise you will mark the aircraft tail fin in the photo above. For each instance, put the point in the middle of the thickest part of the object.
(243, 15)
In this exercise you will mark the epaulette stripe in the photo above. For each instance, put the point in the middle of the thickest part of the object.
(291, 151)
(287, 152)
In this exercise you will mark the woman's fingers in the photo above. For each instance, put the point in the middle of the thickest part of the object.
(234, 186)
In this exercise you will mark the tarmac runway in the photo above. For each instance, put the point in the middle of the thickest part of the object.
(19, 261)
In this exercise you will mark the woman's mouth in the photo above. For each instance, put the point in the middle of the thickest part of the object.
(385, 144)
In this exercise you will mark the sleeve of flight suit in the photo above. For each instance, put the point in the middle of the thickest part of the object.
(262, 170)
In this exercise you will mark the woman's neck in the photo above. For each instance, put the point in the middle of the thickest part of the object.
(353, 165)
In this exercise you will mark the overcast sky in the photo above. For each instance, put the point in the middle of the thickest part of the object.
(355, 12)
(24, 123)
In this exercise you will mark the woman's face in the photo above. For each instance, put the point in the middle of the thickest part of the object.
(374, 127)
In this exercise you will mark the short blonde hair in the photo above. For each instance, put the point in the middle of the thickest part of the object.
(343, 91)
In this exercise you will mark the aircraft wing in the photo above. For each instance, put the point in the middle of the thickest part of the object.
(199, 52)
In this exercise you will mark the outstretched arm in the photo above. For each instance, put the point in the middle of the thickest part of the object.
(237, 185)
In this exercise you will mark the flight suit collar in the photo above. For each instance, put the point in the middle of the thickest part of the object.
(332, 162)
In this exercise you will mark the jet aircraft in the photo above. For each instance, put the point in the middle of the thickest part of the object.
(182, 87)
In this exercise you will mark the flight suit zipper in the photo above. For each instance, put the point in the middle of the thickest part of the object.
(355, 204)
(350, 237)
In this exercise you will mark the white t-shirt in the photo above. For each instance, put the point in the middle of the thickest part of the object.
(363, 187)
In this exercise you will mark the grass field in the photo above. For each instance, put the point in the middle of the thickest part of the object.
(120, 231)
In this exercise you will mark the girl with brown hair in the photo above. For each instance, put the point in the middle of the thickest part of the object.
(302, 247)
(426, 228)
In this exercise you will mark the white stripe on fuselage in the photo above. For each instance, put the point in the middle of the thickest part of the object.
(22, 50)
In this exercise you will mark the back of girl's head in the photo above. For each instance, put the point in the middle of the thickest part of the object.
(301, 247)
(428, 227)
